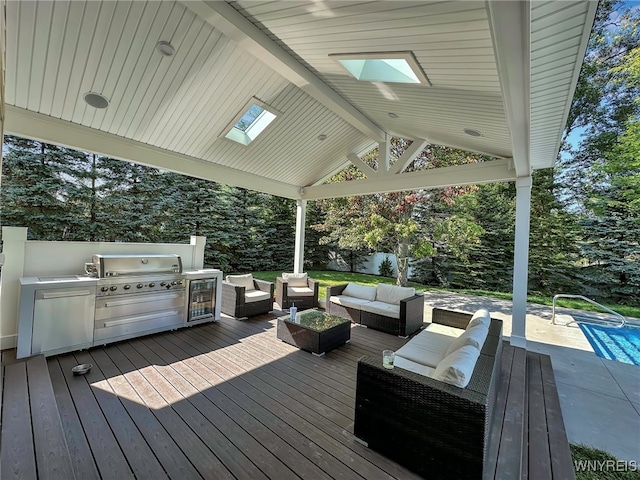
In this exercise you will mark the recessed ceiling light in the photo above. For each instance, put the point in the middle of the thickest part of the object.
(388, 67)
(165, 48)
(392, 115)
(472, 132)
(322, 137)
(96, 100)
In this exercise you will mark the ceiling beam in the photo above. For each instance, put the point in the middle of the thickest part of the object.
(408, 156)
(473, 173)
(362, 166)
(40, 127)
(510, 24)
(231, 23)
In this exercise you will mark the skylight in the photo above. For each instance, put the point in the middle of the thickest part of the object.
(251, 123)
(388, 67)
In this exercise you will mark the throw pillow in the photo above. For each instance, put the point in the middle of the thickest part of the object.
(295, 279)
(457, 368)
(392, 294)
(482, 316)
(360, 291)
(245, 281)
(474, 336)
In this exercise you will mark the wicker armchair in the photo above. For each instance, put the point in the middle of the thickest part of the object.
(286, 295)
(239, 301)
(437, 430)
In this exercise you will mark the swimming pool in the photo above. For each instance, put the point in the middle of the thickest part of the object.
(620, 344)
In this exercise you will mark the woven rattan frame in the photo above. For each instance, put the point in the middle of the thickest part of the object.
(435, 429)
(410, 321)
(233, 299)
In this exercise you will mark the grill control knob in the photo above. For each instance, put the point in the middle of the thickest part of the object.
(127, 287)
(104, 289)
(139, 285)
(113, 288)
(174, 283)
(151, 285)
(163, 284)
(179, 282)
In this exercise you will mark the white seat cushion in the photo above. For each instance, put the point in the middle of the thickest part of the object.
(360, 291)
(346, 301)
(444, 330)
(392, 294)
(295, 279)
(382, 308)
(413, 366)
(426, 348)
(245, 281)
(255, 296)
(456, 368)
(299, 292)
(474, 336)
(482, 316)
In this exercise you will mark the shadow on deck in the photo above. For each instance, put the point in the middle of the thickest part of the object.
(227, 400)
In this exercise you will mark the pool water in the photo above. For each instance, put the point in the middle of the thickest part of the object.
(620, 344)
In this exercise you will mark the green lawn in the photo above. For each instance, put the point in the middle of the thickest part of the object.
(329, 277)
(593, 464)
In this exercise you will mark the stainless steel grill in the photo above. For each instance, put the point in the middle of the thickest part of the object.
(137, 295)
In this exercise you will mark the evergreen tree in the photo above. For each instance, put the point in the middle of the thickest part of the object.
(35, 188)
(553, 248)
(279, 231)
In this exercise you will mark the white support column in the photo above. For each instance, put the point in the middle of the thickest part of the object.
(384, 154)
(301, 213)
(14, 241)
(521, 262)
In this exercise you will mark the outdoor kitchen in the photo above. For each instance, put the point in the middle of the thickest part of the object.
(70, 300)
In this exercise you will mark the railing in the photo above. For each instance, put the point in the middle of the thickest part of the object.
(566, 295)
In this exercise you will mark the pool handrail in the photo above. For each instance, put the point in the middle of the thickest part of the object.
(593, 302)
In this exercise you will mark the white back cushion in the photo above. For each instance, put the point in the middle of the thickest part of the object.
(360, 291)
(457, 367)
(392, 294)
(295, 279)
(482, 316)
(245, 281)
(474, 336)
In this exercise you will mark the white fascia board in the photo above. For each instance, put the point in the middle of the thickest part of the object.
(25, 123)
(232, 24)
(511, 36)
(473, 173)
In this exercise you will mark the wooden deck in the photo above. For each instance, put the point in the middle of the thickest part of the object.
(220, 400)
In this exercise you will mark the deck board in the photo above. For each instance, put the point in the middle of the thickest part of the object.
(17, 458)
(52, 454)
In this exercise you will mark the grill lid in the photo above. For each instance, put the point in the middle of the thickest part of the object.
(136, 265)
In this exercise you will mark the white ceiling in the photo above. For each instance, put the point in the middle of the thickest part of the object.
(171, 112)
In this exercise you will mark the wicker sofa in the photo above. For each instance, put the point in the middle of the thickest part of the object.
(391, 309)
(433, 428)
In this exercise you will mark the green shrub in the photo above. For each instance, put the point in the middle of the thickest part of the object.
(386, 269)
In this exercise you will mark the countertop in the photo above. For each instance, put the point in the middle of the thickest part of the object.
(59, 280)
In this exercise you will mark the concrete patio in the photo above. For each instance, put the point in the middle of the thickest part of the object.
(600, 398)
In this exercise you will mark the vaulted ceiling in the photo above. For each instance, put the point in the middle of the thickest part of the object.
(505, 69)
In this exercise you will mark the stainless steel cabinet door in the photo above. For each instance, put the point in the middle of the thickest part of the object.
(62, 318)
